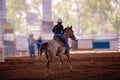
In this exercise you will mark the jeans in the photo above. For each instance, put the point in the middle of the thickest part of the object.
(31, 51)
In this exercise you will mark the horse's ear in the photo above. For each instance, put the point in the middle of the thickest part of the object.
(70, 26)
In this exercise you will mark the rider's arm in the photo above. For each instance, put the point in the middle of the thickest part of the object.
(53, 29)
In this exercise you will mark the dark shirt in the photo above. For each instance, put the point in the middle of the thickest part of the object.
(58, 29)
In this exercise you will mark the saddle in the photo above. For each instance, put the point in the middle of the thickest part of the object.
(63, 39)
(57, 37)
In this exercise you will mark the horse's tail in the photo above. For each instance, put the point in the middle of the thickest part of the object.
(43, 48)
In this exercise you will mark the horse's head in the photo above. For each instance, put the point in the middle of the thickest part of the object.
(69, 33)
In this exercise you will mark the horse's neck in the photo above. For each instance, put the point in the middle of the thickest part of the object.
(66, 36)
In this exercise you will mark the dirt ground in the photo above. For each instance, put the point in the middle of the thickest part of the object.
(96, 66)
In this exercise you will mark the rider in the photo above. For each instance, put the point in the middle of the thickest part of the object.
(58, 32)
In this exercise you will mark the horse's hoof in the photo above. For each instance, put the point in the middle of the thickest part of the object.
(52, 73)
(71, 69)
(46, 75)
(61, 63)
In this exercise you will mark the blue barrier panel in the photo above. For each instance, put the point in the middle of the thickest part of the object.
(101, 44)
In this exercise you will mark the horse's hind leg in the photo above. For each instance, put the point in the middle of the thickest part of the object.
(48, 68)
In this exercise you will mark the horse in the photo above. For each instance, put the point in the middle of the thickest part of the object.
(56, 47)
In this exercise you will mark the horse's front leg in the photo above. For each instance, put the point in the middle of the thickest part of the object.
(70, 66)
(67, 54)
(61, 59)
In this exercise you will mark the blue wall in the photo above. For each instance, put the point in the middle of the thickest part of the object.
(100, 44)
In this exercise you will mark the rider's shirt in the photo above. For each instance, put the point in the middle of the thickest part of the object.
(58, 29)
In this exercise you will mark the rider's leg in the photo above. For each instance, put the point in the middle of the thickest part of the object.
(65, 41)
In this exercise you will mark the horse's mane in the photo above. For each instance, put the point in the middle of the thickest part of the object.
(65, 29)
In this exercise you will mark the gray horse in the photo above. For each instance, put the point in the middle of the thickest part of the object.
(56, 47)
